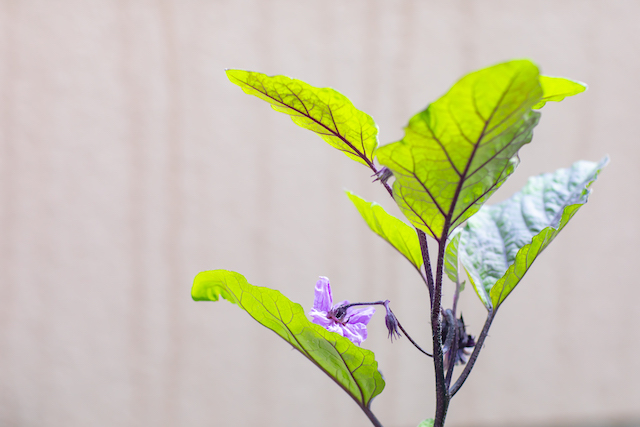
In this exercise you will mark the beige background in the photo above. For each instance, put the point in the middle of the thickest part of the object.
(129, 163)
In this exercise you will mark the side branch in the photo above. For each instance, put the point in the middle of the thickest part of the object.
(454, 348)
(476, 351)
(422, 237)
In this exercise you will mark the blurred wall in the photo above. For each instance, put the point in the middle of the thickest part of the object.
(128, 163)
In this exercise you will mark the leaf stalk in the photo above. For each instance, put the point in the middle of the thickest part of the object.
(426, 261)
(374, 420)
(476, 351)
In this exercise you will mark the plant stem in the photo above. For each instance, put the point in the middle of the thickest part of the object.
(476, 351)
(442, 394)
(371, 417)
(456, 295)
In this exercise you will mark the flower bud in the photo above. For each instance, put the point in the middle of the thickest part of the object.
(391, 322)
(383, 175)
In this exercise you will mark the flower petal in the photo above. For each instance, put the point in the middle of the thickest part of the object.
(335, 327)
(323, 299)
(360, 314)
(320, 318)
(356, 332)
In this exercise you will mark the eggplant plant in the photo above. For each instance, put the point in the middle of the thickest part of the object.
(454, 155)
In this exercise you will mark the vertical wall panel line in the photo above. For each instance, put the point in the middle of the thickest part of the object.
(8, 405)
(138, 306)
(175, 212)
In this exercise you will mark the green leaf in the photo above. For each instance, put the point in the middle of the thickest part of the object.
(401, 236)
(499, 243)
(323, 110)
(558, 88)
(351, 367)
(426, 423)
(457, 152)
(451, 258)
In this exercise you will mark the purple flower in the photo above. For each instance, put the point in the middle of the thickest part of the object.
(350, 322)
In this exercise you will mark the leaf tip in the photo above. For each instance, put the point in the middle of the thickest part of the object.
(197, 291)
(234, 75)
(583, 84)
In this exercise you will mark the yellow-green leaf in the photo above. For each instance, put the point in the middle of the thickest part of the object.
(451, 258)
(324, 111)
(458, 151)
(401, 236)
(353, 368)
(558, 88)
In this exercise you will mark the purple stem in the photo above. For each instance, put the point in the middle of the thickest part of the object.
(476, 351)
(454, 347)
(422, 238)
(371, 417)
(455, 298)
(442, 395)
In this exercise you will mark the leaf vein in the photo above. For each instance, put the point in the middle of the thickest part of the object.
(336, 134)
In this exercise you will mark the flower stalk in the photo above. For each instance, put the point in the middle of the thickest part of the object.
(391, 322)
